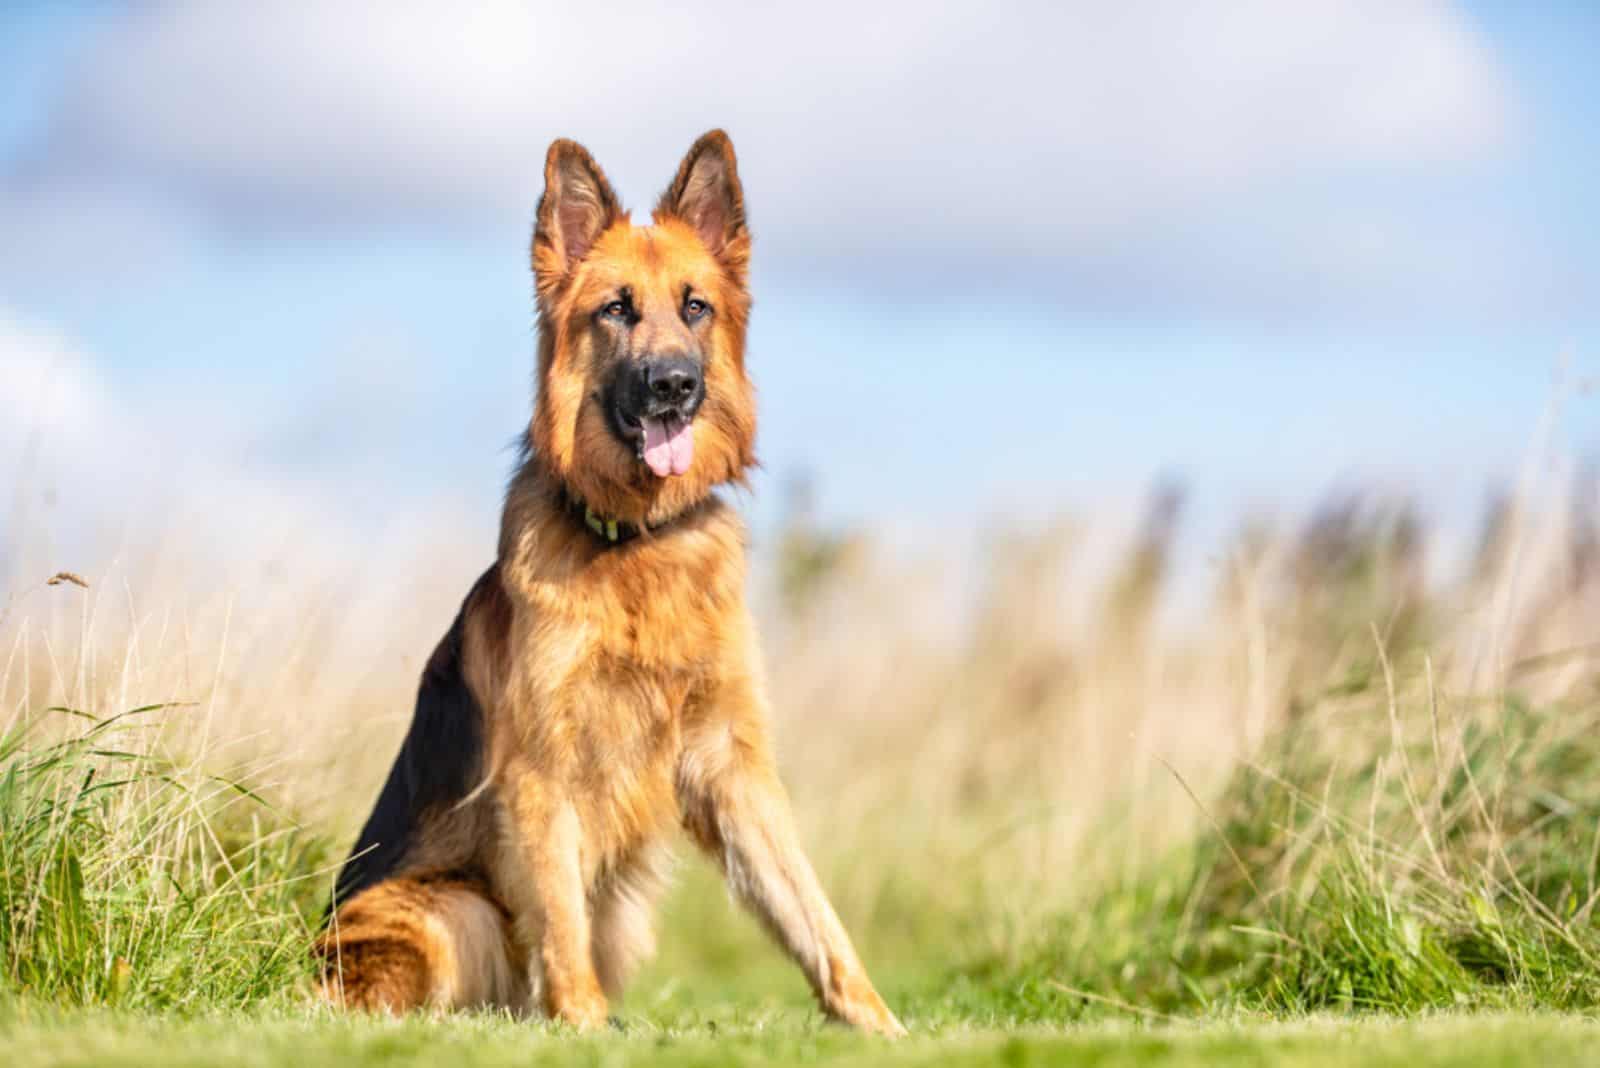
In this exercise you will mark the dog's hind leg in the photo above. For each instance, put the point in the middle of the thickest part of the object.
(431, 941)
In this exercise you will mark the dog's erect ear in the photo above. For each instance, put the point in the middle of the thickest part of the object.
(577, 207)
(706, 194)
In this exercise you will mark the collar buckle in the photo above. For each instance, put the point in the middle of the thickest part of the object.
(606, 528)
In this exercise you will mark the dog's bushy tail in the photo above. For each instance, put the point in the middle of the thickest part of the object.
(427, 941)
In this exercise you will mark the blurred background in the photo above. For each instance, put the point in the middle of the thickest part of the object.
(1032, 257)
(1125, 370)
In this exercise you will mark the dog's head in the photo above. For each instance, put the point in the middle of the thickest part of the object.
(643, 401)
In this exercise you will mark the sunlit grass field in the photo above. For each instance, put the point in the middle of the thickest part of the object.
(291, 1039)
(1345, 808)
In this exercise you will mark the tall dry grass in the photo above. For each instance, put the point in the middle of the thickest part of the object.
(975, 745)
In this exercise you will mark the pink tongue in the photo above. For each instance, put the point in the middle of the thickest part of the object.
(668, 445)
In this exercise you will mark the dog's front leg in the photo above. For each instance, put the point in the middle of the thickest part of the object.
(551, 906)
(735, 808)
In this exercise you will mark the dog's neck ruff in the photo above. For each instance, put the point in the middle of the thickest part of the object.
(609, 531)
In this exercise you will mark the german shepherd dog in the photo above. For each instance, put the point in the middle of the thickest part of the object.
(602, 681)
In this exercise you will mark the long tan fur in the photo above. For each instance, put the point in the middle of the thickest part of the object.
(592, 697)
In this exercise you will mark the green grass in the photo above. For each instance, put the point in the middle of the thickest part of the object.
(103, 1038)
(1399, 878)
(129, 879)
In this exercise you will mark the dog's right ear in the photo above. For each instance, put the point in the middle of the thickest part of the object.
(576, 208)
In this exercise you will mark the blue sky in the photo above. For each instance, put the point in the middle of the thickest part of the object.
(1006, 263)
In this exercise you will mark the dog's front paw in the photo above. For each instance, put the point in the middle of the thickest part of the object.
(865, 1011)
(583, 1010)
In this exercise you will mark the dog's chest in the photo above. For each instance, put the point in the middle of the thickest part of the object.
(610, 735)
(605, 679)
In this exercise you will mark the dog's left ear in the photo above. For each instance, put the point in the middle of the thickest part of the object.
(707, 195)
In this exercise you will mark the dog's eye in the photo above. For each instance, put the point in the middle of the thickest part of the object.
(615, 310)
(694, 309)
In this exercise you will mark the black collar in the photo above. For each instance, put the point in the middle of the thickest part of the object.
(609, 531)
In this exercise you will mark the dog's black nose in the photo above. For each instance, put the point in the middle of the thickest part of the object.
(673, 380)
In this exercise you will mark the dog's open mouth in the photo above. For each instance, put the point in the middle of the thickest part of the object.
(664, 442)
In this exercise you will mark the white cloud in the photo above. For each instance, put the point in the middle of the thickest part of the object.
(66, 437)
(91, 469)
(50, 403)
(1000, 127)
